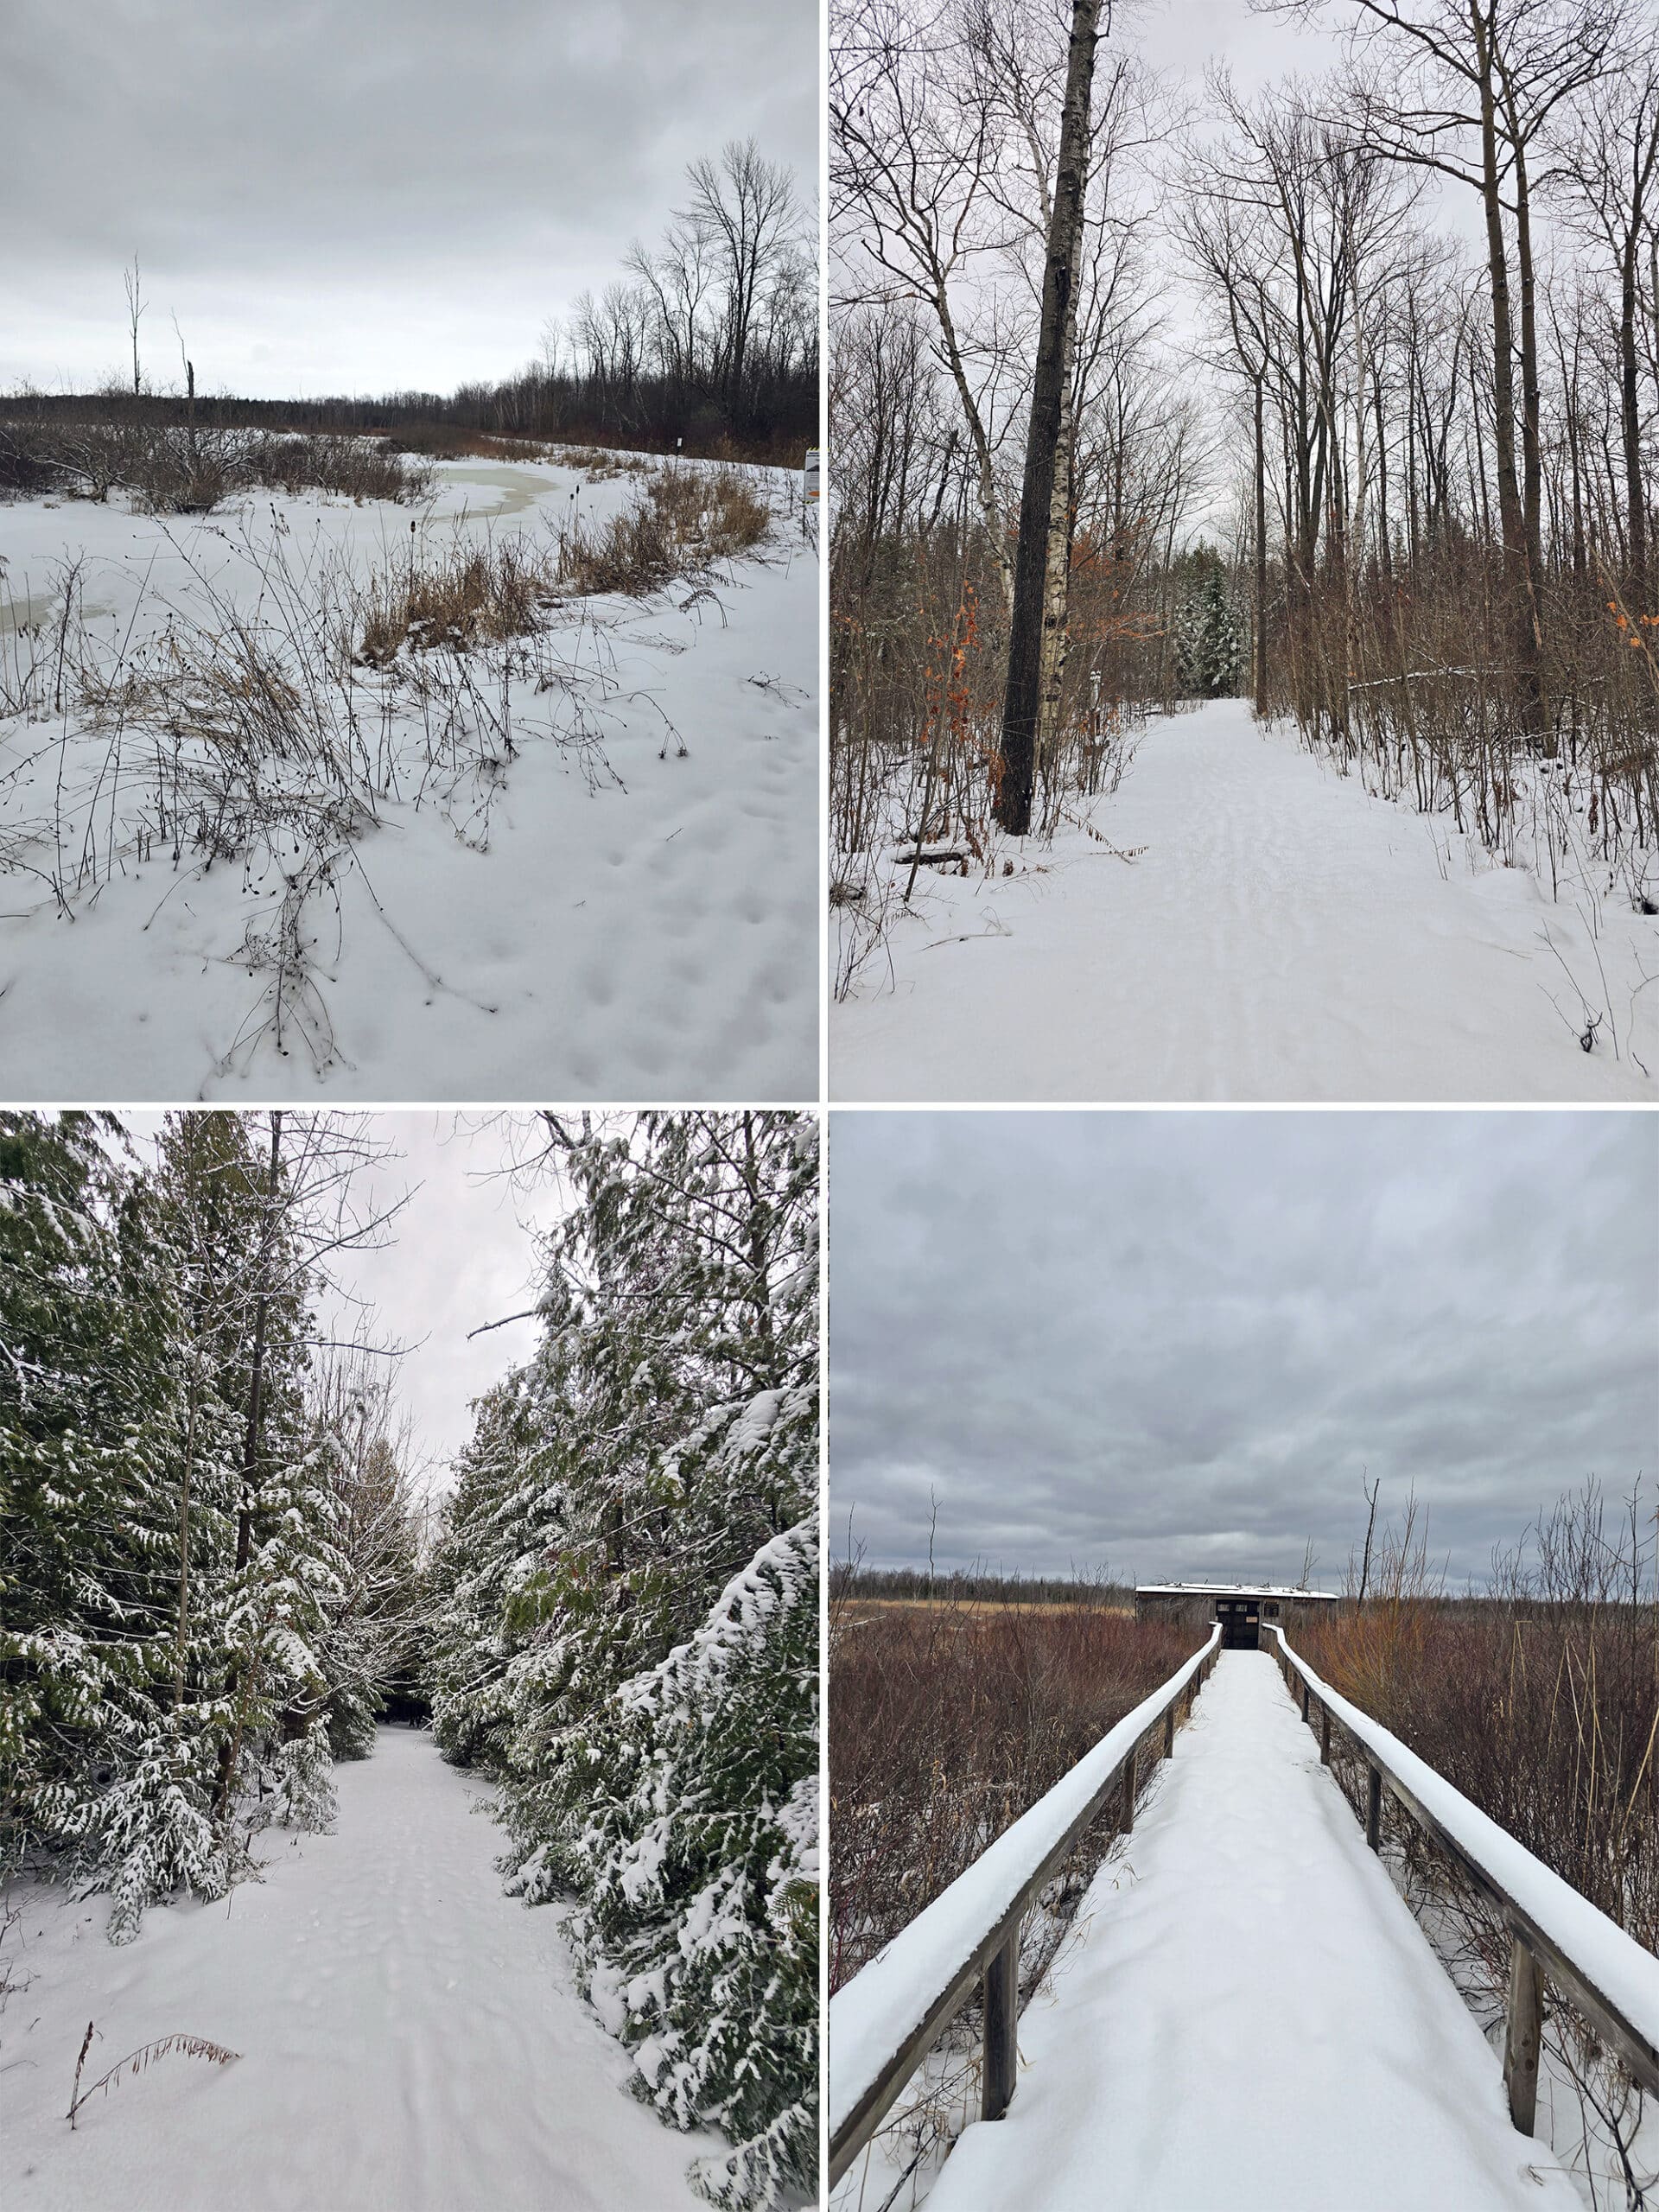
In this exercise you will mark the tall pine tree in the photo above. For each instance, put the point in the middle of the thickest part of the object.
(629, 1630)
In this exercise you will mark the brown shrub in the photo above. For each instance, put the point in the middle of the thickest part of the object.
(476, 595)
(173, 468)
(946, 1723)
(1541, 1703)
(443, 442)
(1543, 1712)
(682, 520)
(598, 462)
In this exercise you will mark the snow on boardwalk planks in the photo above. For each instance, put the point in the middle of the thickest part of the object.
(1280, 935)
(411, 2040)
(1251, 2017)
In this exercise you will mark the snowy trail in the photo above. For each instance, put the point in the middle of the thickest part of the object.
(411, 2037)
(1251, 2017)
(1282, 935)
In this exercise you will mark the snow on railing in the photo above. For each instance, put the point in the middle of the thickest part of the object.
(890, 2015)
(1604, 1974)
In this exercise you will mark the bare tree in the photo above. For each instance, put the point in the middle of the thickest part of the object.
(742, 210)
(913, 143)
(136, 305)
(1611, 163)
(1467, 90)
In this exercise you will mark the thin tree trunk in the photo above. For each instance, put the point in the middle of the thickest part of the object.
(1630, 429)
(1511, 520)
(251, 1441)
(1259, 658)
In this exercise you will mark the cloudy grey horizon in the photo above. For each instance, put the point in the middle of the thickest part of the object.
(365, 198)
(1171, 1346)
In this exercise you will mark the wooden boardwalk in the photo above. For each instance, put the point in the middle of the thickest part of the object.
(1248, 2016)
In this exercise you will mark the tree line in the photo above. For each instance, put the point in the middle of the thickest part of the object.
(707, 343)
(625, 1632)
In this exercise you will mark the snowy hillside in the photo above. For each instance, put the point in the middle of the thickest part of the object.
(1243, 922)
(255, 834)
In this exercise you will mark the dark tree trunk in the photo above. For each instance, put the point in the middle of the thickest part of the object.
(1259, 658)
(1023, 697)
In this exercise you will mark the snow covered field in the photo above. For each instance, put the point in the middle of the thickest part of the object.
(587, 867)
(1278, 933)
(410, 2039)
(1248, 2015)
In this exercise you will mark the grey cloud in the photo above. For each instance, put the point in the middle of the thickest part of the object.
(1170, 1342)
(367, 195)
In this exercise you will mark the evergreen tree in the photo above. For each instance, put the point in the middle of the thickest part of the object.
(629, 1630)
(103, 1763)
(1208, 652)
(184, 1576)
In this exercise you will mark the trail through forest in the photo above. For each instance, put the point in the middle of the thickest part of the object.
(1252, 925)
(411, 2037)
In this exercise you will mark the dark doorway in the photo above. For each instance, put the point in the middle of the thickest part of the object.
(1239, 1618)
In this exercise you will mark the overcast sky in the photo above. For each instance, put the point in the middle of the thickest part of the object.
(354, 196)
(1169, 1343)
(463, 1253)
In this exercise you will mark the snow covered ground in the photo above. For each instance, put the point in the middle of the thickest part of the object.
(1278, 933)
(1248, 2016)
(410, 2037)
(619, 905)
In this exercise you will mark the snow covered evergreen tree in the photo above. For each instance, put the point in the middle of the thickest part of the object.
(99, 1761)
(175, 1550)
(629, 1630)
(1208, 651)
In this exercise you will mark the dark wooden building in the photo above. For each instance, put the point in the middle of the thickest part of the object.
(1243, 1609)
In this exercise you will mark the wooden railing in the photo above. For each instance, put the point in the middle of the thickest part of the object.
(1552, 1928)
(889, 2016)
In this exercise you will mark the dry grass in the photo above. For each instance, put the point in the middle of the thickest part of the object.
(960, 1610)
(471, 596)
(680, 521)
(439, 441)
(1541, 1703)
(182, 2046)
(684, 519)
(598, 462)
(947, 1722)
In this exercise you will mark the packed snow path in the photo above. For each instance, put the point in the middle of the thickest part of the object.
(411, 2037)
(1248, 2016)
(1279, 934)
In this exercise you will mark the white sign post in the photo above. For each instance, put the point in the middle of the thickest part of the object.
(810, 483)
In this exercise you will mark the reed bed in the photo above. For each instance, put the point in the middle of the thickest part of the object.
(948, 1720)
(1539, 1701)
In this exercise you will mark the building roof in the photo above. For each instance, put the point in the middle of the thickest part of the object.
(1229, 1590)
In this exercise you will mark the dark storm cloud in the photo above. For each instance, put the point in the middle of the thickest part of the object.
(1170, 1342)
(351, 193)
